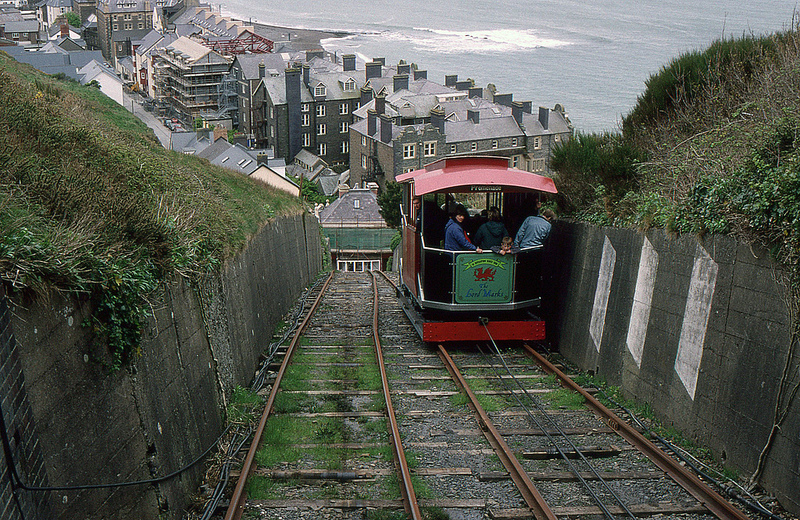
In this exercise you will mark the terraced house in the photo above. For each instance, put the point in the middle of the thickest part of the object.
(121, 24)
(411, 125)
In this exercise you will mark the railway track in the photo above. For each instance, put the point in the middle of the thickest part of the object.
(487, 432)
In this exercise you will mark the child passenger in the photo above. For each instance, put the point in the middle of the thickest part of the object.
(506, 246)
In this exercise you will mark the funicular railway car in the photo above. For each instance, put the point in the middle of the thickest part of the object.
(466, 295)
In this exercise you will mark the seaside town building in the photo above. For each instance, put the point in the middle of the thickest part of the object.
(121, 24)
(359, 238)
(404, 130)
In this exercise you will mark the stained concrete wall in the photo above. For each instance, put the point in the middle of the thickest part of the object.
(700, 329)
(92, 427)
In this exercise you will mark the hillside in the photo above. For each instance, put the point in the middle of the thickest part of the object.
(711, 146)
(91, 204)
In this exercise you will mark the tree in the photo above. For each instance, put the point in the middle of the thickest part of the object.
(73, 19)
(389, 201)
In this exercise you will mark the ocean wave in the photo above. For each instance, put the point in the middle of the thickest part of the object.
(482, 41)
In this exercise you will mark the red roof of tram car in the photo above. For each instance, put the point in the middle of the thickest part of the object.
(465, 174)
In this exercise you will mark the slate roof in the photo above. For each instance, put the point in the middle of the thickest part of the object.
(189, 142)
(212, 151)
(248, 63)
(128, 6)
(21, 26)
(236, 158)
(276, 90)
(354, 207)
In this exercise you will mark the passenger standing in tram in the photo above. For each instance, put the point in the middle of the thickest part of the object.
(455, 238)
(491, 233)
(535, 230)
(416, 213)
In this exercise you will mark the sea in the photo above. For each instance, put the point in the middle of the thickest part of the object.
(591, 57)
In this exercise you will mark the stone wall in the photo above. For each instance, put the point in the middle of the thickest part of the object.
(699, 329)
(92, 427)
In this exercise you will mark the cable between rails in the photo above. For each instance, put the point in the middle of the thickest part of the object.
(606, 512)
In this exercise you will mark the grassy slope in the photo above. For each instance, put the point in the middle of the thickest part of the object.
(90, 202)
(711, 146)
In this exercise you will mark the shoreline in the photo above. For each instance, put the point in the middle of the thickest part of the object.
(300, 39)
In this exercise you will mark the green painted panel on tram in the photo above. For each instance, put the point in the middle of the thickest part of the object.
(484, 278)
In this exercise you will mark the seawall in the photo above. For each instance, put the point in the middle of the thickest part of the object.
(71, 423)
(698, 328)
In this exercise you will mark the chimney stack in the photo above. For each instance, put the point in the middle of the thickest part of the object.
(464, 84)
(373, 70)
(420, 74)
(64, 30)
(382, 61)
(400, 82)
(261, 70)
(437, 119)
(349, 62)
(475, 92)
(386, 129)
(544, 117)
(474, 116)
(380, 104)
(403, 68)
(366, 95)
(306, 74)
(503, 99)
(527, 107)
(372, 118)
(450, 81)
(516, 111)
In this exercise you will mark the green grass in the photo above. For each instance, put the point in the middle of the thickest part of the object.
(245, 406)
(91, 204)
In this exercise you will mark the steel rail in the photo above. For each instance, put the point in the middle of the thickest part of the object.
(712, 500)
(406, 488)
(239, 498)
(530, 494)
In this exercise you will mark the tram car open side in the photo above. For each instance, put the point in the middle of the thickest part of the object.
(464, 295)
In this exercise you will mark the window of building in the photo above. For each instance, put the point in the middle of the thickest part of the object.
(473, 146)
(306, 119)
(127, 16)
(513, 141)
(557, 138)
(349, 85)
(322, 129)
(429, 149)
(320, 90)
(344, 127)
(538, 165)
(272, 131)
(364, 161)
(363, 140)
(305, 107)
(306, 140)
(409, 151)
(344, 109)
(494, 143)
(115, 27)
(322, 149)
(406, 170)
(320, 110)
(345, 146)
(515, 161)
(537, 143)
(453, 148)
(141, 25)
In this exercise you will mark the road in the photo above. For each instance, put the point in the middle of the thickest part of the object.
(133, 104)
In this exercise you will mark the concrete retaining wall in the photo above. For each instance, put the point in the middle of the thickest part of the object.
(90, 427)
(700, 329)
